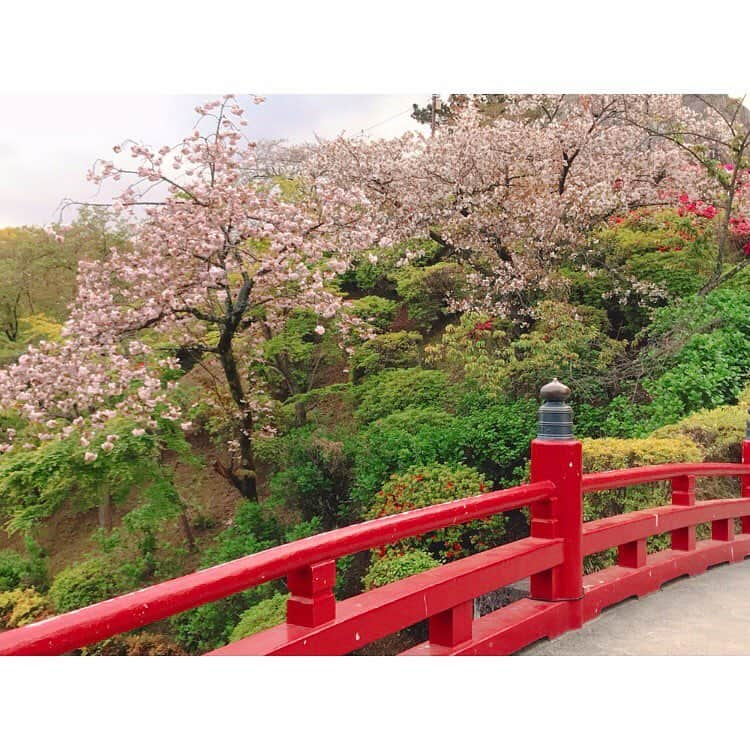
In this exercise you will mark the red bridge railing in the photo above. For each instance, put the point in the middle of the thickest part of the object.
(561, 597)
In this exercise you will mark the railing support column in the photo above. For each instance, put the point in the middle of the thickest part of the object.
(683, 493)
(557, 456)
(453, 626)
(745, 481)
(311, 601)
(632, 554)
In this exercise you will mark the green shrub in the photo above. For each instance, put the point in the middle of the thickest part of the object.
(496, 437)
(35, 483)
(86, 583)
(698, 355)
(395, 565)
(561, 344)
(21, 607)
(432, 484)
(376, 268)
(389, 350)
(252, 529)
(427, 290)
(394, 390)
(613, 453)
(23, 571)
(379, 312)
(134, 644)
(316, 475)
(717, 432)
(261, 616)
(400, 440)
(209, 626)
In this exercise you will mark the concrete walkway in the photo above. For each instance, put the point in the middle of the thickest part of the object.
(708, 615)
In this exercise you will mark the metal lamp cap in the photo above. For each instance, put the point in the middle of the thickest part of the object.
(555, 416)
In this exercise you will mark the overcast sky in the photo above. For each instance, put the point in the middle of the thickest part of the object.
(47, 143)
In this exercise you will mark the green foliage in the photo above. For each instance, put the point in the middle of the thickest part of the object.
(395, 565)
(718, 432)
(389, 350)
(375, 269)
(253, 529)
(210, 626)
(316, 475)
(431, 484)
(22, 571)
(292, 356)
(21, 607)
(427, 290)
(85, 583)
(379, 312)
(37, 482)
(561, 344)
(134, 644)
(261, 616)
(393, 390)
(403, 439)
(31, 330)
(612, 453)
(495, 436)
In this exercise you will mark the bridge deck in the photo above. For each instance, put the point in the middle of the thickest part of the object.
(708, 615)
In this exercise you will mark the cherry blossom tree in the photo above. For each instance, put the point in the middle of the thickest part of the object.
(507, 196)
(713, 132)
(219, 261)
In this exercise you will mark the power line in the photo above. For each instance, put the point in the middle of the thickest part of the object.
(383, 122)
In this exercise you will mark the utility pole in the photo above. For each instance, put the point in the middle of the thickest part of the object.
(434, 113)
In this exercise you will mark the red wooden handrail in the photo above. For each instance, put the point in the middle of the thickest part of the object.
(619, 478)
(374, 614)
(562, 598)
(72, 630)
(605, 533)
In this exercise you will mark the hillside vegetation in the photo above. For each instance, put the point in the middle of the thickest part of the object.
(412, 392)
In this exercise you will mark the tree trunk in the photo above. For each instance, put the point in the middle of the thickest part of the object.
(187, 531)
(244, 478)
(105, 514)
(300, 413)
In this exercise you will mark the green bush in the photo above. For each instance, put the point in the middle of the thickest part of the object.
(400, 440)
(495, 437)
(21, 607)
(35, 483)
(427, 290)
(134, 644)
(208, 627)
(699, 354)
(389, 350)
(432, 484)
(395, 565)
(717, 432)
(379, 312)
(316, 475)
(613, 453)
(85, 583)
(394, 390)
(375, 269)
(261, 616)
(562, 343)
(23, 571)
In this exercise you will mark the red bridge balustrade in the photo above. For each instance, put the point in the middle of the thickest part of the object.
(561, 597)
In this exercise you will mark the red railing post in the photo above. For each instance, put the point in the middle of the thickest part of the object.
(683, 493)
(632, 554)
(453, 626)
(745, 480)
(557, 456)
(311, 601)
